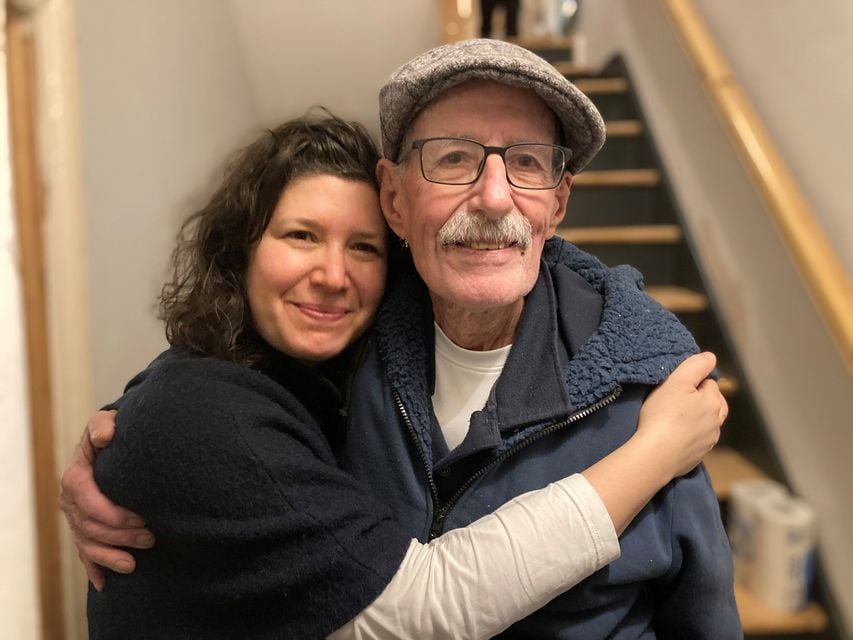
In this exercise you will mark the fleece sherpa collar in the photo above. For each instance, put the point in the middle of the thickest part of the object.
(637, 340)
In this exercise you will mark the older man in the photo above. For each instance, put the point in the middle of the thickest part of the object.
(508, 358)
(504, 360)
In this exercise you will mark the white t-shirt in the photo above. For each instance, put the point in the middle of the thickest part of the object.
(475, 581)
(463, 380)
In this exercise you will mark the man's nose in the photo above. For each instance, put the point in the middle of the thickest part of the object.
(494, 189)
(330, 271)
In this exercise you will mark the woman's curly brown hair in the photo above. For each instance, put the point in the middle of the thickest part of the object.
(204, 305)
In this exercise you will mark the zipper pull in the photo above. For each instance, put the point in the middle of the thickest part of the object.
(437, 527)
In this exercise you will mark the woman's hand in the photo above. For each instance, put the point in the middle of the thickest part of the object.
(679, 423)
(98, 525)
(681, 419)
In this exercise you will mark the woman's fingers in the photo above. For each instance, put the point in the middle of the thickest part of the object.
(694, 369)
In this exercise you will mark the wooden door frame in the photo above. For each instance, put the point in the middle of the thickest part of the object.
(28, 200)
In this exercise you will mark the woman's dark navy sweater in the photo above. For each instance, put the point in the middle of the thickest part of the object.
(259, 533)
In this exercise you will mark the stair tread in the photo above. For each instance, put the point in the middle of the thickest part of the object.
(627, 234)
(726, 466)
(728, 385)
(678, 299)
(757, 618)
(623, 128)
(618, 178)
(601, 86)
(572, 68)
(545, 41)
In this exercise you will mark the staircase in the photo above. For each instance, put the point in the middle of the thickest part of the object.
(622, 210)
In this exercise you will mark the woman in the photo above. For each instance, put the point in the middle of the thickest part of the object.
(222, 445)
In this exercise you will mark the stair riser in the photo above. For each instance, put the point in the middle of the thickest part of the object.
(614, 106)
(659, 264)
(623, 153)
(591, 206)
(555, 55)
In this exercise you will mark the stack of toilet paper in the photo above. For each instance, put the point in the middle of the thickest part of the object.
(773, 538)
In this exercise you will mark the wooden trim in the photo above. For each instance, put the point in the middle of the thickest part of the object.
(571, 68)
(618, 178)
(819, 266)
(29, 211)
(546, 41)
(601, 86)
(728, 386)
(623, 128)
(726, 467)
(623, 234)
(759, 619)
(455, 25)
(678, 299)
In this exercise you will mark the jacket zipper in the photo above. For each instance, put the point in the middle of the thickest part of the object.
(441, 511)
(430, 478)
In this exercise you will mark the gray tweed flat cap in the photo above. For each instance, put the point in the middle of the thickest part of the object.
(416, 83)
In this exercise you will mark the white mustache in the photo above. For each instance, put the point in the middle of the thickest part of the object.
(474, 228)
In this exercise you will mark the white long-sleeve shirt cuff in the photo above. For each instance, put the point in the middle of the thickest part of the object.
(476, 581)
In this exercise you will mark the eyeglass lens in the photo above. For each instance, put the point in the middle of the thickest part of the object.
(457, 161)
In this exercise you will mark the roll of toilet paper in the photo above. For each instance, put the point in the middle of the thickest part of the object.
(745, 497)
(785, 536)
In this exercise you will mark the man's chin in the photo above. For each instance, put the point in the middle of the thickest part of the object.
(490, 292)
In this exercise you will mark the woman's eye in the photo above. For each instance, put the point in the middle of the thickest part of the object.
(299, 235)
(366, 247)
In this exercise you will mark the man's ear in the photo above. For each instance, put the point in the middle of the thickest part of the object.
(389, 175)
(561, 195)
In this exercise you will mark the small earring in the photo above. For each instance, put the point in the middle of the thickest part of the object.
(405, 243)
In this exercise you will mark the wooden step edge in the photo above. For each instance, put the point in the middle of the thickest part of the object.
(629, 234)
(623, 128)
(728, 385)
(678, 299)
(572, 68)
(602, 86)
(726, 467)
(759, 619)
(546, 41)
(618, 178)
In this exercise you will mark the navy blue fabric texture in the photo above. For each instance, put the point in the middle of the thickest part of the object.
(259, 533)
(590, 346)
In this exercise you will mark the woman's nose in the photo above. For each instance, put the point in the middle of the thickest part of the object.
(331, 270)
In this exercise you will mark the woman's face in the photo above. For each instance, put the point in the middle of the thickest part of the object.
(316, 276)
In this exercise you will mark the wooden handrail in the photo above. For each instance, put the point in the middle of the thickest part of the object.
(825, 277)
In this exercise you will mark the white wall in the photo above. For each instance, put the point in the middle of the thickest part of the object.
(163, 98)
(168, 89)
(329, 52)
(19, 611)
(792, 59)
(798, 378)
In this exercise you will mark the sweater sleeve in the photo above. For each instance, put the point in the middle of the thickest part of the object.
(476, 581)
(259, 533)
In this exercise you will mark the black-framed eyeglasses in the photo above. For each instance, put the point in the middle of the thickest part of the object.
(458, 161)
